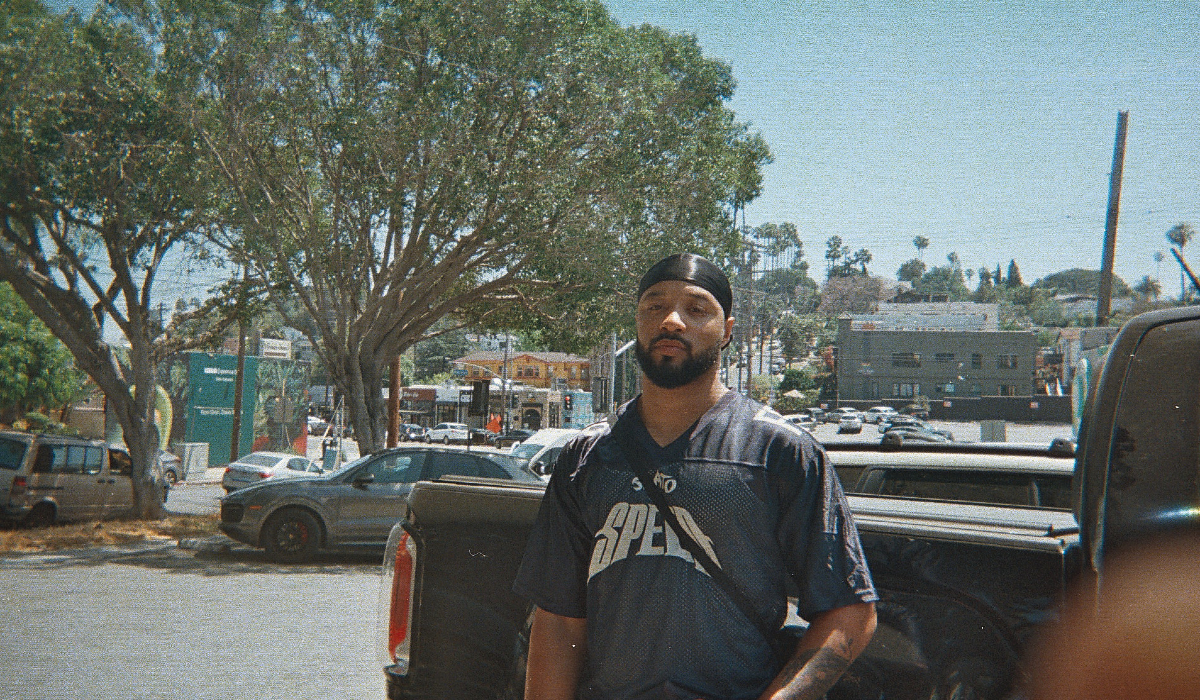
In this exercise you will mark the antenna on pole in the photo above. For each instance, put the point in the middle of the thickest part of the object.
(1104, 293)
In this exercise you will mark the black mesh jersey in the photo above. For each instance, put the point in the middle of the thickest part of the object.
(753, 489)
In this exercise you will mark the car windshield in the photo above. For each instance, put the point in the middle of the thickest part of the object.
(12, 453)
(526, 450)
(259, 460)
(509, 460)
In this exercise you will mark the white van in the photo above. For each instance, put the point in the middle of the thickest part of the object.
(541, 449)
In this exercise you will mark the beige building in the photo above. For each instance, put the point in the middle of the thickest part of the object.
(547, 370)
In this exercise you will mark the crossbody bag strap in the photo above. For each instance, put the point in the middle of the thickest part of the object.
(637, 458)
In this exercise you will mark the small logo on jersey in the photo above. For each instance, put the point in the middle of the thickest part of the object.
(662, 481)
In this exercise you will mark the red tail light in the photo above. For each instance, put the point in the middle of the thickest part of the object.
(264, 475)
(19, 486)
(400, 621)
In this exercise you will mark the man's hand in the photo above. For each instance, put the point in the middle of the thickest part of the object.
(832, 641)
(557, 647)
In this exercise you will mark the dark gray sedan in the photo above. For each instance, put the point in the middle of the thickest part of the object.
(353, 508)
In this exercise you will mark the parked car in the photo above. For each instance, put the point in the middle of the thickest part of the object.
(512, 437)
(900, 434)
(875, 414)
(252, 468)
(411, 432)
(850, 423)
(818, 414)
(447, 433)
(481, 436)
(541, 449)
(804, 420)
(354, 507)
(910, 422)
(835, 415)
(49, 478)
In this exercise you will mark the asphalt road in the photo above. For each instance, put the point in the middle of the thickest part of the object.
(158, 621)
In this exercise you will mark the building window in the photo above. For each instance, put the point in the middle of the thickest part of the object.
(906, 359)
(976, 361)
(1006, 390)
(1006, 362)
(905, 391)
(943, 357)
(474, 371)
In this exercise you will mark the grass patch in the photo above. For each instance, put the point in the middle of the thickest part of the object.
(107, 532)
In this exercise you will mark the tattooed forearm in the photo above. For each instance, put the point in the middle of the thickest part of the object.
(813, 673)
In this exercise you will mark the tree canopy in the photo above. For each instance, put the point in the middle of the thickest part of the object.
(36, 371)
(102, 180)
(506, 164)
(1079, 281)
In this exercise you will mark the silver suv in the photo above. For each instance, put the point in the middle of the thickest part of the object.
(49, 478)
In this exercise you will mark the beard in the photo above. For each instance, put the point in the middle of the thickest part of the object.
(665, 375)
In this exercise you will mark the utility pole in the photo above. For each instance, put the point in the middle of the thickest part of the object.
(240, 377)
(393, 407)
(1104, 293)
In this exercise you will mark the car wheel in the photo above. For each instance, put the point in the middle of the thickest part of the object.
(42, 515)
(170, 477)
(292, 535)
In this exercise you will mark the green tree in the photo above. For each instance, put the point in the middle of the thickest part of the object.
(946, 280)
(506, 164)
(920, 243)
(36, 371)
(835, 251)
(1079, 281)
(1044, 310)
(911, 271)
(102, 180)
(798, 379)
(1013, 279)
(1149, 288)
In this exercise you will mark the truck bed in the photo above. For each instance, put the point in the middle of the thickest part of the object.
(962, 586)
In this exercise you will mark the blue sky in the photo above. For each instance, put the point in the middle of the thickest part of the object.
(987, 127)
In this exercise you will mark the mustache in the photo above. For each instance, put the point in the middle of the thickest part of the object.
(670, 336)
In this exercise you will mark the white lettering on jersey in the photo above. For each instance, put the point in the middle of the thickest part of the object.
(667, 484)
(640, 523)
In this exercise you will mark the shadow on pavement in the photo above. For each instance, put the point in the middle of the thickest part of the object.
(214, 556)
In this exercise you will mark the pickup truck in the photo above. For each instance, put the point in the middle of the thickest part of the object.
(964, 586)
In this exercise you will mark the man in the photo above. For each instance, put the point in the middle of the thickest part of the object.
(623, 611)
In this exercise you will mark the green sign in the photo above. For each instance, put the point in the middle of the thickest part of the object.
(211, 380)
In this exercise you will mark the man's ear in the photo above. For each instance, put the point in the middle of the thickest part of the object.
(728, 332)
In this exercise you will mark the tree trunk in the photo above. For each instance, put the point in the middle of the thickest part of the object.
(141, 438)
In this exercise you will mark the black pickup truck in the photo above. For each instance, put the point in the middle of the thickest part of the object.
(964, 585)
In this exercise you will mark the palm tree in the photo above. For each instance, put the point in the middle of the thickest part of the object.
(921, 243)
(1179, 235)
(1148, 288)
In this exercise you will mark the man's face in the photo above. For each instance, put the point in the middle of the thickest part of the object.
(681, 329)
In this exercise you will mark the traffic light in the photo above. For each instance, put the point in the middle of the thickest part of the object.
(566, 402)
